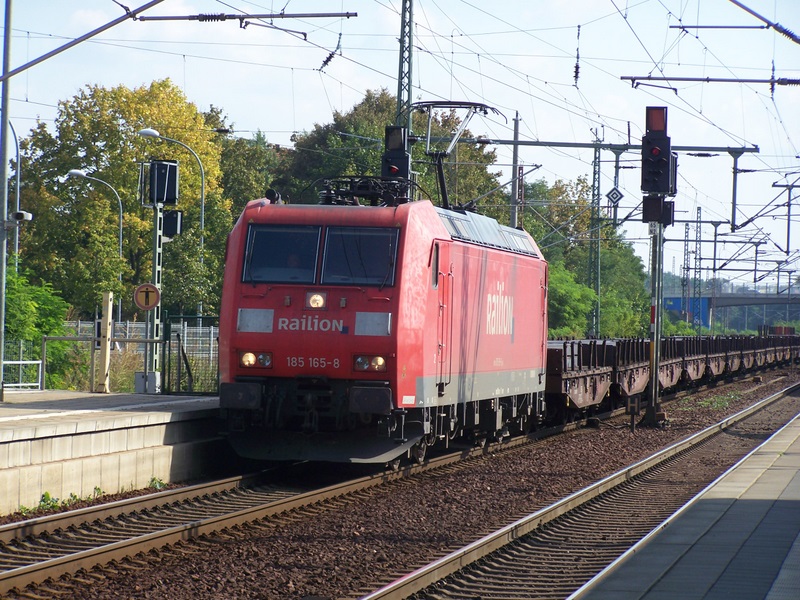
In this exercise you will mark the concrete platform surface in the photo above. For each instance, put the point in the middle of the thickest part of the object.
(79, 444)
(738, 539)
(19, 402)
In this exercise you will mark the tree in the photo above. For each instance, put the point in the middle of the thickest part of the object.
(249, 166)
(353, 145)
(72, 241)
(624, 299)
(32, 311)
(466, 170)
(569, 303)
(559, 218)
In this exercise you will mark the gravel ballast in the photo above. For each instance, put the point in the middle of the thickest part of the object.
(346, 548)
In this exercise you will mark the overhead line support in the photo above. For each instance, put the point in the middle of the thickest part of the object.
(208, 18)
(780, 81)
(404, 69)
(594, 244)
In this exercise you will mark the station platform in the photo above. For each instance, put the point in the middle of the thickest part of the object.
(49, 403)
(75, 443)
(738, 539)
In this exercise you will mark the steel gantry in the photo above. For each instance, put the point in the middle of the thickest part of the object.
(617, 149)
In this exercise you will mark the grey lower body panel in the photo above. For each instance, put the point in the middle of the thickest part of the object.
(352, 446)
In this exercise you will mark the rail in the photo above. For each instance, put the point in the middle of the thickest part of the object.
(423, 577)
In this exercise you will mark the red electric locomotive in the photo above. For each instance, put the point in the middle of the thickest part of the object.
(355, 333)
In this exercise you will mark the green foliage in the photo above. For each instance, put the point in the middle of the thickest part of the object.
(559, 218)
(32, 310)
(715, 402)
(249, 168)
(673, 326)
(466, 170)
(624, 301)
(66, 367)
(69, 367)
(20, 308)
(156, 483)
(569, 304)
(353, 145)
(72, 242)
(49, 503)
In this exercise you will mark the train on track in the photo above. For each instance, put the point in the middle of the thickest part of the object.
(589, 376)
(369, 328)
(368, 333)
(365, 333)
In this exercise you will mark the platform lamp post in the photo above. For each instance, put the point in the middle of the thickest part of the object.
(16, 194)
(152, 133)
(82, 174)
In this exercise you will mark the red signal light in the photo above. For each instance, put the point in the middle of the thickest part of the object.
(393, 170)
(656, 119)
(655, 151)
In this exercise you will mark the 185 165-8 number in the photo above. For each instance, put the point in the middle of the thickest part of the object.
(314, 362)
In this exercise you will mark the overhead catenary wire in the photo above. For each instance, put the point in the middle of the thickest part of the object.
(578, 103)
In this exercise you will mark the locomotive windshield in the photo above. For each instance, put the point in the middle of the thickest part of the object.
(360, 256)
(281, 254)
(352, 255)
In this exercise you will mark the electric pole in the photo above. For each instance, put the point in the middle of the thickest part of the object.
(659, 175)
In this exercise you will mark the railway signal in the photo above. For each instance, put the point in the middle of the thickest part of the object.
(658, 180)
(396, 161)
(659, 163)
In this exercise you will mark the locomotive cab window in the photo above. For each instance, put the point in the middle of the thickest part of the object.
(360, 256)
(281, 254)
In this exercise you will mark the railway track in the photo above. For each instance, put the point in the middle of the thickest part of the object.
(45, 548)
(552, 552)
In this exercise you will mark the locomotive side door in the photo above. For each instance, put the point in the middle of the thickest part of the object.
(442, 272)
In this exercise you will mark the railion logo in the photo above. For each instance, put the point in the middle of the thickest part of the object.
(499, 312)
(310, 324)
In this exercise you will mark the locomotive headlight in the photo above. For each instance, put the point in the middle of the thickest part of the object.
(363, 362)
(252, 359)
(317, 300)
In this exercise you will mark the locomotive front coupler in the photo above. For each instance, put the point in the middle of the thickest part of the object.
(399, 414)
(387, 425)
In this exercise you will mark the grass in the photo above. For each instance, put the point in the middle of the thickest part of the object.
(49, 503)
(714, 402)
(74, 371)
(156, 483)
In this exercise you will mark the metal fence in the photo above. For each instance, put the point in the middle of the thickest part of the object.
(189, 353)
(22, 368)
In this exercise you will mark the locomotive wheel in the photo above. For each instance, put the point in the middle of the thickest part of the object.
(418, 451)
(393, 465)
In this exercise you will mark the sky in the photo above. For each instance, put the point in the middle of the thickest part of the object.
(563, 67)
